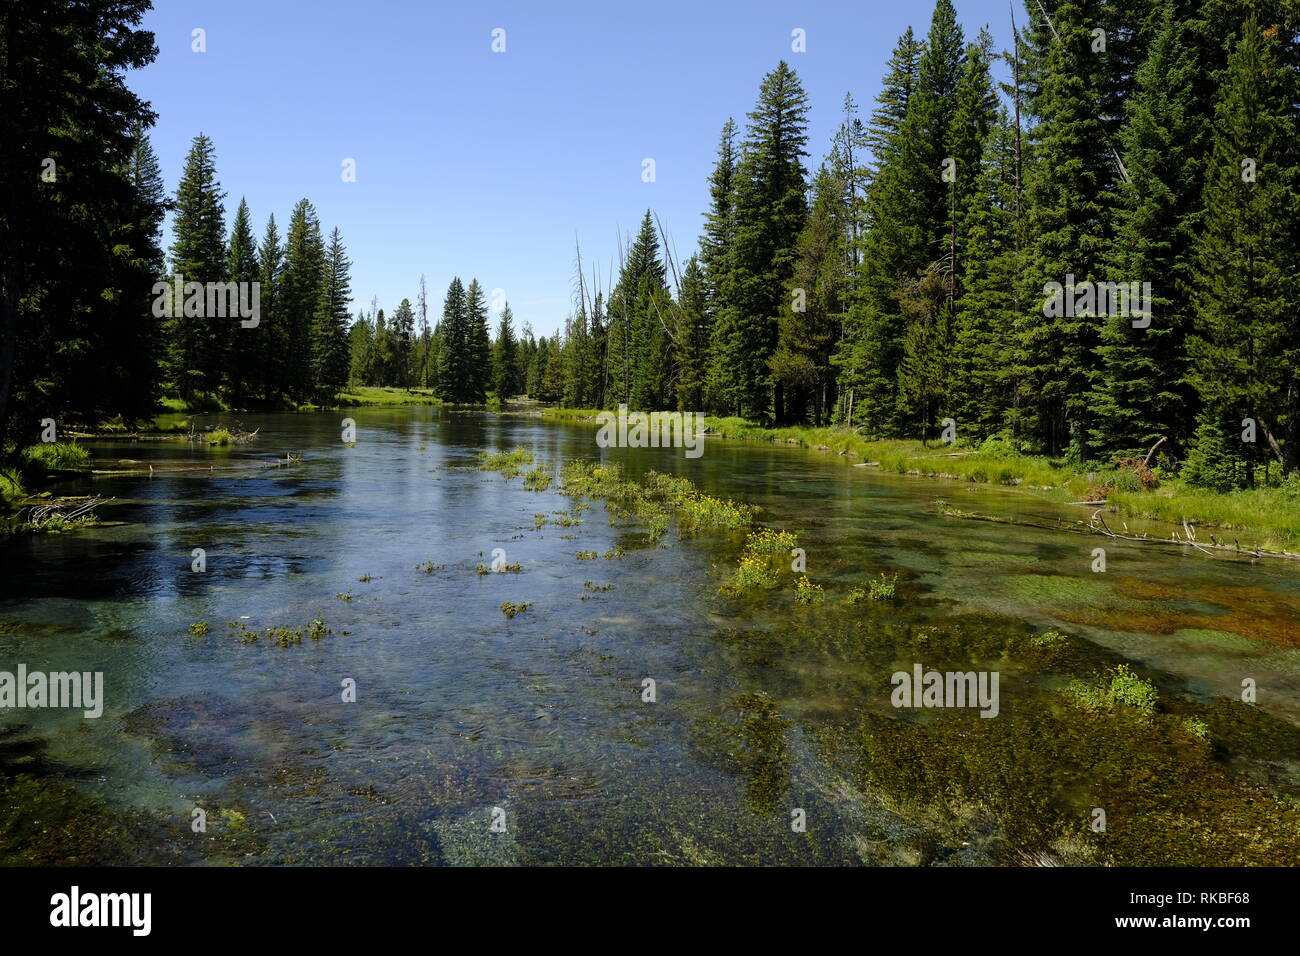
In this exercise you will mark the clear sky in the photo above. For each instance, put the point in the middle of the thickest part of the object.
(488, 165)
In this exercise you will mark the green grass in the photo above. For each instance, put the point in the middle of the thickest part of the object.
(570, 414)
(218, 436)
(1267, 518)
(11, 486)
(205, 403)
(58, 456)
(375, 395)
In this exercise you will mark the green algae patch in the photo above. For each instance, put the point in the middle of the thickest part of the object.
(1025, 784)
(1059, 590)
(748, 738)
(47, 822)
(1182, 783)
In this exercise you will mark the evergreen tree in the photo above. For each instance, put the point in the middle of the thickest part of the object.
(424, 340)
(1247, 339)
(891, 103)
(924, 139)
(270, 359)
(361, 351)
(693, 334)
(247, 344)
(1070, 198)
(477, 370)
(299, 297)
(383, 347)
(904, 212)
(770, 208)
(329, 334)
(1144, 392)
(642, 284)
(505, 358)
(636, 340)
(720, 225)
(807, 328)
(527, 357)
(982, 381)
(454, 354)
(198, 342)
(403, 332)
(78, 252)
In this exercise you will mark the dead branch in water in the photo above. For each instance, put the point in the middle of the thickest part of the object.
(64, 509)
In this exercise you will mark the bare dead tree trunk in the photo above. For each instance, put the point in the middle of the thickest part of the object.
(1146, 463)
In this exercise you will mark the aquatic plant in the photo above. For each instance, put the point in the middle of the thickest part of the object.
(753, 573)
(883, 588)
(283, 636)
(805, 592)
(653, 501)
(1123, 688)
(586, 555)
(199, 628)
(510, 609)
(770, 541)
(706, 513)
(1197, 729)
(539, 479)
(509, 463)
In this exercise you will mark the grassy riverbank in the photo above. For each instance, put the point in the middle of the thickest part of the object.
(354, 397)
(1265, 518)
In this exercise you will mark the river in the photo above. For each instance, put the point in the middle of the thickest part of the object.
(477, 738)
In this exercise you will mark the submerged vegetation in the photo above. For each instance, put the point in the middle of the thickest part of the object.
(654, 501)
(1266, 516)
(1120, 688)
(509, 463)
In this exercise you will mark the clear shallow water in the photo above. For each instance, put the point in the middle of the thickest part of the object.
(762, 706)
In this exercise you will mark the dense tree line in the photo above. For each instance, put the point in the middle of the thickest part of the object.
(903, 280)
(80, 213)
(296, 350)
(85, 335)
(456, 358)
(906, 280)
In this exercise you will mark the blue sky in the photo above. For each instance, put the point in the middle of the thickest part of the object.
(487, 165)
